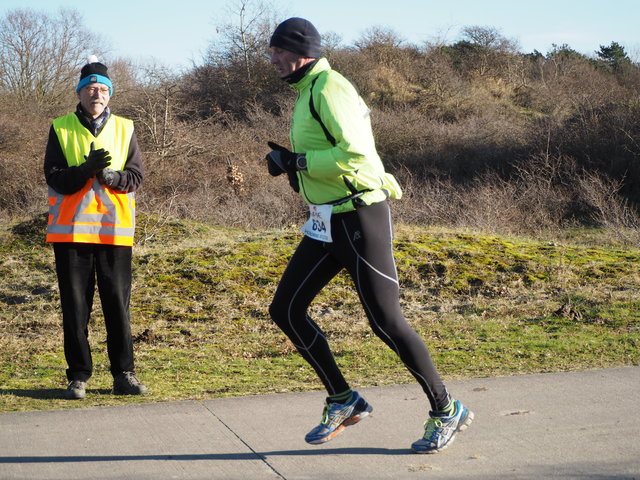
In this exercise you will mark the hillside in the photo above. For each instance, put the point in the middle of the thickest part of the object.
(486, 305)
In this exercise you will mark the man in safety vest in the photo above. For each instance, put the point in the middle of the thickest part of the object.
(93, 167)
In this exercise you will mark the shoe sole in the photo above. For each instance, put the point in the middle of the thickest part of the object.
(462, 426)
(75, 396)
(347, 423)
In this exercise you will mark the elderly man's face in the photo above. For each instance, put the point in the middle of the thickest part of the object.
(94, 98)
(287, 62)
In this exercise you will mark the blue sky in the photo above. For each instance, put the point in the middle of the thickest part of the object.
(174, 32)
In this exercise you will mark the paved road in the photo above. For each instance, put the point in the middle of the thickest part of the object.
(582, 425)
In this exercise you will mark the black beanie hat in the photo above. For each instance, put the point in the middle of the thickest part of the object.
(94, 72)
(297, 35)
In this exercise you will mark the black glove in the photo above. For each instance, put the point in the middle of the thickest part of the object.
(274, 169)
(108, 177)
(274, 162)
(281, 160)
(95, 161)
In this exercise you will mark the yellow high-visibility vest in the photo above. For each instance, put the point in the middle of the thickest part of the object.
(96, 213)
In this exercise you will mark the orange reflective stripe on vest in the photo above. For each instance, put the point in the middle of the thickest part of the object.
(92, 215)
(95, 213)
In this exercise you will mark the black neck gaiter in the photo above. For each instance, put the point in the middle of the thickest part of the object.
(296, 76)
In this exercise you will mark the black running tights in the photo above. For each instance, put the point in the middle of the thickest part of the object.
(362, 243)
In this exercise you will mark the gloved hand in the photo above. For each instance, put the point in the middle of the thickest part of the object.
(274, 163)
(282, 160)
(95, 161)
(108, 177)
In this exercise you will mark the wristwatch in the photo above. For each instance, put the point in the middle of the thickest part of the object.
(301, 162)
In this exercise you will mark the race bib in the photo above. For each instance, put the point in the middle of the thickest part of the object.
(318, 226)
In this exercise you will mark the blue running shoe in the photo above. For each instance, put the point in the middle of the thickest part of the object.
(440, 431)
(336, 416)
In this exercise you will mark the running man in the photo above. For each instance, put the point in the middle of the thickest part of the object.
(335, 167)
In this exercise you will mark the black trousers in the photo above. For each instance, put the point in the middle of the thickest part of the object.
(362, 243)
(78, 266)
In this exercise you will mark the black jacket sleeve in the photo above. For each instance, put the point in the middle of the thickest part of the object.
(67, 180)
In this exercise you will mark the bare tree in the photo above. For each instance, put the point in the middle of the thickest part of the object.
(40, 54)
(489, 38)
(247, 38)
(482, 51)
(376, 36)
(236, 70)
(331, 41)
(610, 209)
(155, 110)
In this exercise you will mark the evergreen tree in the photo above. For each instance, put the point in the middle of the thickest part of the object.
(614, 56)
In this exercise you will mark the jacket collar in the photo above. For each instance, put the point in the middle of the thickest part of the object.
(320, 66)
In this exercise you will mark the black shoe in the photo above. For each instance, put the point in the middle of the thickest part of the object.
(76, 390)
(126, 383)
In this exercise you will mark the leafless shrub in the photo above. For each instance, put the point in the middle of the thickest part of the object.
(541, 196)
(547, 191)
(479, 135)
(22, 142)
(225, 180)
(610, 209)
(489, 139)
(487, 204)
(425, 202)
(22, 190)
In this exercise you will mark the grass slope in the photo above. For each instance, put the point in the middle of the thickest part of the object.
(486, 306)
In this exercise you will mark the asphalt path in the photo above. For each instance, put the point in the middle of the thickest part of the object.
(577, 425)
